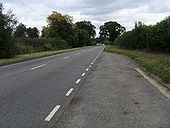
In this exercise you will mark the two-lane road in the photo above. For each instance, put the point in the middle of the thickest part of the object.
(32, 92)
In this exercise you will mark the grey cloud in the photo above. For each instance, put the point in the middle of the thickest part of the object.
(98, 11)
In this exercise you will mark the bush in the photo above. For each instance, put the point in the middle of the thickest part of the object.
(153, 38)
(28, 45)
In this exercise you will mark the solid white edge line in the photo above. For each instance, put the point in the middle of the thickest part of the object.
(69, 92)
(87, 69)
(160, 87)
(48, 118)
(78, 81)
(83, 74)
(37, 67)
(97, 56)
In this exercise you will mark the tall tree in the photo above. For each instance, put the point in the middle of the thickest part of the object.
(7, 24)
(58, 26)
(88, 26)
(43, 32)
(111, 30)
(20, 31)
(81, 38)
(32, 32)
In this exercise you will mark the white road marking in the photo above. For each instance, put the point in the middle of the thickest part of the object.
(159, 86)
(83, 74)
(98, 55)
(48, 118)
(78, 81)
(87, 69)
(37, 67)
(66, 57)
(90, 66)
(69, 92)
(78, 53)
(92, 63)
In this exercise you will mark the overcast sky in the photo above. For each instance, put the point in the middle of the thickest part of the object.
(126, 12)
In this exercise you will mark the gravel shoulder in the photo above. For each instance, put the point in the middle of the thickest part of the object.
(115, 95)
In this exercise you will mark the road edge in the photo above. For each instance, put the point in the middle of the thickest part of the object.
(77, 87)
(32, 59)
(144, 70)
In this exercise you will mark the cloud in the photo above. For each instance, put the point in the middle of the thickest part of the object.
(126, 12)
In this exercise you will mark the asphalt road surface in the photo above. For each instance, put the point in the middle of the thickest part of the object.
(115, 95)
(33, 94)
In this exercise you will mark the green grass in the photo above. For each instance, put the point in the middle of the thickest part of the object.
(25, 57)
(157, 64)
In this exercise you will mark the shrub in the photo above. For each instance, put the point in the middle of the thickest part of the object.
(28, 45)
(153, 38)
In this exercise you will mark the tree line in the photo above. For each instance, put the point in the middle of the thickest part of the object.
(152, 38)
(60, 33)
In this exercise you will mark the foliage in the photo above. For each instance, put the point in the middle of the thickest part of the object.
(82, 38)
(88, 26)
(84, 33)
(58, 26)
(152, 38)
(111, 30)
(28, 45)
(32, 32)
(61, 26)
(7, 24)
(60, 33)
(20, 31)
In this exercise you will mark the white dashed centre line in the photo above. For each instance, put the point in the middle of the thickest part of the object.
(78, 81)
(37, 67)
(83, 74)
(87, 69)
(52, 113)
(69, 92)
(66, 57)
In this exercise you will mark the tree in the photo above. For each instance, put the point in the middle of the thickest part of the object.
(82, 38)
(87, 25)
(62, 26)
(32, 32)
(111, 30)
(58, 26)
(7, 24)
(43, 32)
(20, 31)
(153, 37)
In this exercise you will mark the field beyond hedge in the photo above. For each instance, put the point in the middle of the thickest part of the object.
(157, 64)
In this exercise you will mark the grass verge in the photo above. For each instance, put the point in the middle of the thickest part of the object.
(157, 64)
(25, 57)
